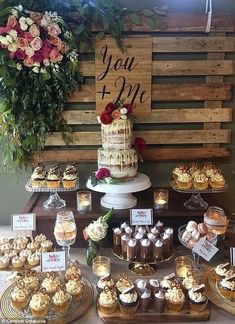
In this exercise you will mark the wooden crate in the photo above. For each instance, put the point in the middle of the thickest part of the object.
(187, 119)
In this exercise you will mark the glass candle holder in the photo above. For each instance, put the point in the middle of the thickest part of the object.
(183, 266)
(160, 199)
(101, 267)
(84, 202)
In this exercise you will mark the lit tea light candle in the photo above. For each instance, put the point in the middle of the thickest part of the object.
(160, 199)
(183, 266)
(83, 201)
(101, 267)
(183, 271)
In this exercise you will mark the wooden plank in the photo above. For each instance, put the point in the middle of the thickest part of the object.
(193, 44)
(168, 92)
(187, 22)
(160, 115)
(170, 68)
(150, 154)
(151, 137)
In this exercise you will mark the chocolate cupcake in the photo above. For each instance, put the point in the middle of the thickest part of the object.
(128, 301)
(145, 300)
(159, 301)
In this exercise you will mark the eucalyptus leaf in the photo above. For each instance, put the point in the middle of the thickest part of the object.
(148, 13)
(135, 19)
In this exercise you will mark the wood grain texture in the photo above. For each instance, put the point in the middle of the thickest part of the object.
(168, 92)
(151, 137)
(150, 154)
(161, 115)
(173, 68)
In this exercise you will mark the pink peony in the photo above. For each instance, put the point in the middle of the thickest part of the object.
(4, 30)
(54, 30)
(20, 54)
(28, 62)
(36, 44)
(102, 173)
(22, 42)
(55, 55)
(11, 22)
(38, 57)
(34, 31)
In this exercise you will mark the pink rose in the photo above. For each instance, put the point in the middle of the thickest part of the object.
(29, 51)
(28, 36)
(36, 16)
(20, 54)
(54, 30)
(102, 173)
(46, 48)
(11, 22)
(55, 55)
(36, 44)
(22, 42)
(38, 57)
(4, 30)
(34, 31)
(28, 62)
(56, 41)
(45, 21)
(64, 48)
(12, 55)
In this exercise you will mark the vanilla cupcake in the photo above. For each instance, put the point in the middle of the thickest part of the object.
(4, 240)
(25, 253)
(184, 181)
(74, 269)
(19, 246)
(197, 298)
(20, 296)
(227, 286)
(105, 281)
(222, 270)
(21, 239)
(123, 283)
(34, 259)
(200, 181)
(40, 238)
(51, 283)
(53, 177)
(18, 261)
(11, 254)
(75, 287)
(40, 303)
(178, 170)
(61, 300)
(128, 301)
(175, 299)
(69, 177)
(4, 262)
(31, 280)
(48, 245)
(33, 246)
(217, 181)
(5, 247)
(108, 301)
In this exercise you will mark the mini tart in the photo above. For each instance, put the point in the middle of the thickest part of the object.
(75, 287)
(40, 304)
(197, 300)
(4, 261)
(61, 300)
(18, 261)
(200, 181)
(31, 280)
(51, 283)
(33, 246)
(74, 270)
(123, 283)
(40, 238)
(34, 259)
(103, 282)
(20, 296)
(108, 301)
(175, 299)
(128, 302)
(184, 181)
(47, 245)
(217, 181)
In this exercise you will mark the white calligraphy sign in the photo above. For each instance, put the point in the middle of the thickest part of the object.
(205, 249)
(20, 222)
(141, 217)
(53, 261)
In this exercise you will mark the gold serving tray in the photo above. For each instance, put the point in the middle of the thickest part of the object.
(76, 310)
(214, 294)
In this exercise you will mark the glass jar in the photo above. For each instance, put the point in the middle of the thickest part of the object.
(216, 220)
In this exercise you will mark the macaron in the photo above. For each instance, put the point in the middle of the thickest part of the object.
(192, 225)
(196, 234)
(202, 228)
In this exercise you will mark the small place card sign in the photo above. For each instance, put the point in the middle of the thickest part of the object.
(21, 222)
(205, 249)
(141, 216)
(53, 261)
(232, 256)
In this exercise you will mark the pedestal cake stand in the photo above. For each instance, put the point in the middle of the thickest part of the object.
(119, 195)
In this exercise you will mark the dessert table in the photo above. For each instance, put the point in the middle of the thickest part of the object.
(118, 266)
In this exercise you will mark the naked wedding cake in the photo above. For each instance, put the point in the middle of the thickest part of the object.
(117, 153)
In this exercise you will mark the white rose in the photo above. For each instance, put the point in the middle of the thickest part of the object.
(4, 41)
(108, 180)
(97, 230)
(24, 26)
(19, 66)
(22, 20)
(9, 39)
(36, 69)
(14, 12)
(46, 62)
(13, 34)
(45, 21)
(123, 116)
(123, 111)
(12, 47)
(20, 8)
(29, 21)
(43, 70)
(29, 51)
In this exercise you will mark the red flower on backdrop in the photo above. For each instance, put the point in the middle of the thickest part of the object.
(106, 118)
(102, 173)
(110, 107)
(140, 144)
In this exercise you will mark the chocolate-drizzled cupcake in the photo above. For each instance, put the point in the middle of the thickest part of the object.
(105, 281)
(69, 177)
(128, 301)
(53, 177)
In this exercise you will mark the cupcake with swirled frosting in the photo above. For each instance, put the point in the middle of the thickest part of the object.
(128, 301)
(38, 177)
(227, 286)
(31, 280)
(105, 281)
(75, 287)
(184, 181)
(69, 177)
(61, 300)
(4, 261)
(197, 298)
(175, 299)
(51, 283)
(123, 283)
(20, 296)
(108, 300)
(40, 304)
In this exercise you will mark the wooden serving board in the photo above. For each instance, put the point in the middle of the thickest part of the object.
(185, 315)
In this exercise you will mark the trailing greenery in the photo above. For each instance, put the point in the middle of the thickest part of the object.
(31, 104)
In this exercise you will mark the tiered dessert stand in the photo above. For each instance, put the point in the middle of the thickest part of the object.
(119, 195)
(54, 201)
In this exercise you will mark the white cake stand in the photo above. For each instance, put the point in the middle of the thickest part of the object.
(119, 196)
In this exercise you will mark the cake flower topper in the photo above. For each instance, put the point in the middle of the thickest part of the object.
(115, 111)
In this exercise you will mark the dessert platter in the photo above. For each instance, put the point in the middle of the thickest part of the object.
(53, 181)
(143, 246)
(197, 179)
(156, 300)
(220, 286)
(119, 157)
(53, 298)
(22, 252)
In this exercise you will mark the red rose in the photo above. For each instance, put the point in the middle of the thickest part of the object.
(38, 57)
(110, 107)
(129, 108)
(20, 54)
(4, 30)
(106, 118)
(139, 144)
(102, 173)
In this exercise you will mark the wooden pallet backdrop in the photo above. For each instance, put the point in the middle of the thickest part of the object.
(188, 118)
